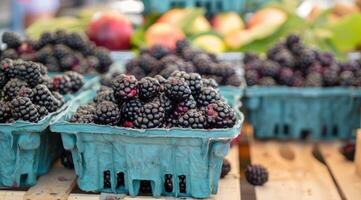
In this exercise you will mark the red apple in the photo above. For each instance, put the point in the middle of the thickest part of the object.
(111, 30)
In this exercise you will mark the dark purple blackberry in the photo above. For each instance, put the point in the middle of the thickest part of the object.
(168, 69)
(169, 59)
(208, 82)
(233, 80)
(207, 96)
(151, 116)
(23, 109)
(130, 111)
(11, 39)
(25, 92)
(60, 51)
(89, 49)
(84, 114)
(44, 53)
(203, 64)
(9, 53)
(42, 111)
(61, 84)
(274, 50)
(182, 107)
(226, 168)
(5, 112)
(326, 58)
(193, 80)
(188, 54)
(29, 71)
(75, 41)
(148, 88)
(330, 77)
(67, 62)
(267, 81)
(166, 103)
(107, 113)
(249, 57)
(60, 37)
(270, 68)
(286, 76)
(125, 87)
(147, 63)
(314, 80)
(284, 57)
(45, 38)
(158, 51)
(348, 151)
(60, 98)
(252, 77)
(104, 58)
(177, 89)
(12, 87)
(306, 59)
(256, 175)
(193, 119)
(291, 40)
(42, 96)
(181, 45)
(76, 80)
(107, 95)
(220, 115)
(347, 78)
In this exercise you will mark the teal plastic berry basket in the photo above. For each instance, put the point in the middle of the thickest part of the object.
(212, 6)
(29, 149)
(294, 113)
(231, 94)
(119, 160)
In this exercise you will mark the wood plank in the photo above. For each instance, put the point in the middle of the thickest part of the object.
(11, 195)
(56, 185)
(294, 172)
(229, 187)
(342, 170)
(358, 153)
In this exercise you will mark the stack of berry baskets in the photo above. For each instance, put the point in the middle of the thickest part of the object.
(163, 136)
(298, 92)
(29, 99)
(158, 60)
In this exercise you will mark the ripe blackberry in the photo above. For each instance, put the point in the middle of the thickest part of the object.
(107, 95)
(347, 78)
(23, 109)
(256, 175)
(25, 92)
(151, 116)
(208, 82)
(104, 58)
(226, 168)
(45, 38)
(286, 76)
(147, 63)
(60, 37)
(125, 87)
(84, 114)
(314, 80)
(184, 106)
(130, 111)
(291, 40)
(76, 80)
(181, 45)
(270, 68)
(75, 41)
(61, 84)
(168, 69)
(330, 77)
(274, 50)
(60, 98)
(42, 96)
(348, 151)
(60, 51)
(267, 81)
(233, 80)
(193, 80)
(12, 87)
(107, 113)
(9, 53)
(306, 59)
(44, 53)
(148, 88)
(203, 64)
(188, 54)
(177, 89)
(68, 62)
(5, 112)
(252, 77)
(29, 71)
(249, 57)
(158, 52)
(11, 39)
(192, 119)
(166, 103)
(284, 58)
(207, 96)
(220, 115)
(42, 111)
(326, 59)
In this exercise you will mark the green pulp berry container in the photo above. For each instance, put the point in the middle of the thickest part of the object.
(118, 160)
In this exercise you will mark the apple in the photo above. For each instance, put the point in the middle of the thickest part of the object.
(163, 34)
(267, 16)
(173, 16)
(225, 23)
(111, 30)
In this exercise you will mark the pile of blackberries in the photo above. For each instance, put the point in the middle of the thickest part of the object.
(27, 92)
(59, 52)
(183, 100)
(158, 60)
(291, 63)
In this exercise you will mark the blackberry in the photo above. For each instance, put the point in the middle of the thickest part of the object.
(60, 98)
(224, 70)
(306, 59)
(76, 80)
(104, 58)
(314, 80)
(284, 58)
(61, 84)
(161, 80)
(29, 71)
(60, 51)
(326, 59)
(286, 76)
(220, 115)
(66, 159)
(75, 41)
(291, 40)
(12, 87)
(193, 80)
(267, 81)
(147, 63)
(252, 77)
(84, 114)
(256, 175)
(93, 62)
(11, 39)
(192, 119)
(233, 80)
(9, 53)
(181, 45)
(274, 50)
(203, 64)
(330, 77)
(158, 52)
(250, 57)
(67, 62)
(177, 89)
(44, 53)
(60, 37)
(270, 68)
(348, 151)
(107, 113)
(208, 82)
(130, 111)
(23, 109)
(25, 92)
(42, 111)
(188, 54)
(5, 112)
(148, 88)
(125, 87)
(151, 116)
(254, 65)
(298, 80)
(207, 96)
(42, 96)
(45, 38)
(88, 49)
(168, 70)
(184, 106)
(226, 168)
(166, 103)
(347, 78)
(107, 95)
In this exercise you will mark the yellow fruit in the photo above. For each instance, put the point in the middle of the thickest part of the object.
(225, 23)
(210, 43)
(238, 39)
(200, 25)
